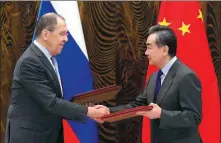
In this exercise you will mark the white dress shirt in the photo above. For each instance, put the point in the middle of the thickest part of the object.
(166, 68)
(49, 56)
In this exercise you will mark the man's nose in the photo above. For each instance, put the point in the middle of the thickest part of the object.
(146, 53)
(65, 38)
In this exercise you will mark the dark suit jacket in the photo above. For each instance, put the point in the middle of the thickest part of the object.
(37, 108)
(180, 100)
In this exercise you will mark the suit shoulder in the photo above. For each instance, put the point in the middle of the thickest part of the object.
(29, 53)
(185, 69)
(27, 57)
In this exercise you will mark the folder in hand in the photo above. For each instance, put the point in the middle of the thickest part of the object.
(97, 95)
(124, 114)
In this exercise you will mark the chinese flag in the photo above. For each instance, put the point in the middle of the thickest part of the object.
(186, 19)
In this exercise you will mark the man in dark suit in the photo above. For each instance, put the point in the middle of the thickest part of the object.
(174, 92)
(37, 105)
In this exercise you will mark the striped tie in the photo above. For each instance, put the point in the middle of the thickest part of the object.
(55, 64)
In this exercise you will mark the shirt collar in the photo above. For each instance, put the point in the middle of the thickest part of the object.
(167, 67)
(43, 49)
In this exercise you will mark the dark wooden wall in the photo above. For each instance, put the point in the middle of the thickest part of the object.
(17, 22)
(115, 33)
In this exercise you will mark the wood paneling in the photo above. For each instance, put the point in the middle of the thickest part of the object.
(17, 25)
(115, 33)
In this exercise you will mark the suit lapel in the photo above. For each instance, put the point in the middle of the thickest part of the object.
(168, 81)
(152, 85)
(45, 61)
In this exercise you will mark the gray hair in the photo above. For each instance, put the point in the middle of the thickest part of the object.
(47, 21)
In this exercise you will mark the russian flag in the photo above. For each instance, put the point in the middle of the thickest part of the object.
(74, 68)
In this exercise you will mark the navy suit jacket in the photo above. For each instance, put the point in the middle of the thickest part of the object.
(180, 100)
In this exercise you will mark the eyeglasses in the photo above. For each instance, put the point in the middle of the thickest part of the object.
(61, 34)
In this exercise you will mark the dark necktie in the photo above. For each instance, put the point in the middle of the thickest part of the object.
(158, 85)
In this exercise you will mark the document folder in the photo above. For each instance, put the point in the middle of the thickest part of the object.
(124, 114)
(98, 95)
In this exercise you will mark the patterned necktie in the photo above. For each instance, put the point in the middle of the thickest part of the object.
(158, 85)
(55, 64)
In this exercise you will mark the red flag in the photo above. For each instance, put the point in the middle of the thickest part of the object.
(186, 19)
(146, 134)
(69, 135)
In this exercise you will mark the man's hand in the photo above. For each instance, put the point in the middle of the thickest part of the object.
(153, 113)
(97, 111)
(104, 108)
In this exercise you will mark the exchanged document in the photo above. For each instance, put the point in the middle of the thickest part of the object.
(124, 114)
(97, 95)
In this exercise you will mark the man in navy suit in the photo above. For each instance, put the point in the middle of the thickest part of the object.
(174, 91)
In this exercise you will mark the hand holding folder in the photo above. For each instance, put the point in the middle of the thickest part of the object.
(124, 114)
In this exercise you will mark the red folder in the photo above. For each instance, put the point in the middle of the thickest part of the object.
(124, 114)
(97, 95)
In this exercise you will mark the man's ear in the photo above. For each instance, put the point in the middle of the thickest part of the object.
(45, 34)
(165, 50)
